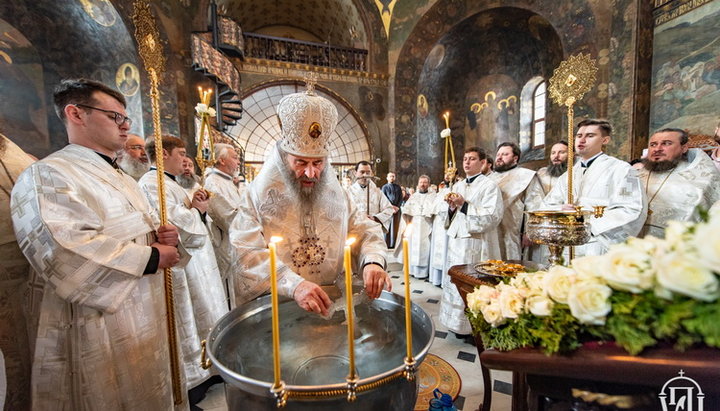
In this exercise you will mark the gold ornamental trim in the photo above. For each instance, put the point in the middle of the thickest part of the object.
(572, 79)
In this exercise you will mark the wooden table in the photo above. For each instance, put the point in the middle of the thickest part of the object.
(466, 279)
(606, 369)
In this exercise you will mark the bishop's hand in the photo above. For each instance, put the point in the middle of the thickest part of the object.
(376, 280)
(310, 297)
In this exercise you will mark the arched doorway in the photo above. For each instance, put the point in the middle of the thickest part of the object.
(259, 128)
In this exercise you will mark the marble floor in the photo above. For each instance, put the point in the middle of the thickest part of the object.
(461, 355)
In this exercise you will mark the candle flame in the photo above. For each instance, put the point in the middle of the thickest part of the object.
(350, 241)
(275, 239)
(408, 230)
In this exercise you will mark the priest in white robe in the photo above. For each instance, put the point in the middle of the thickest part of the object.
(90, 234)
(419, 211)
(224, 205)
(15, 335)
(438, 242)
(678, 181)
(602, 180)
(132, 159)
(550, 174)
(187, 179)
(368, 198)
(199, 293)
(296, 196)
(521, 191)
(475, 209)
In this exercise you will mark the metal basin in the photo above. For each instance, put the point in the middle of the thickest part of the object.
(314, 355)
(557, 228)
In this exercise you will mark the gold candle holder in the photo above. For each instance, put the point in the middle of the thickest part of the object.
(409, 361)
(278, 388)
(352, 378)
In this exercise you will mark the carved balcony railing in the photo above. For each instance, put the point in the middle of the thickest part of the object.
(304, 52)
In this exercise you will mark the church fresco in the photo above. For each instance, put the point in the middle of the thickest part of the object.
(686, 71)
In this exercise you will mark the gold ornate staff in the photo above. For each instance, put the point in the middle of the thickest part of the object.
(569, 83)
(148, 38)
(204, 110)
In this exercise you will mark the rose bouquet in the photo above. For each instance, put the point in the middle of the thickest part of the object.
(640, 293)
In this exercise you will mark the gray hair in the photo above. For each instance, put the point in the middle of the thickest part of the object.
(221, 150)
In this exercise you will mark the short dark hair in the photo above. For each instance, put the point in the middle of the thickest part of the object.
(602, 123)
(515, 148)
(563, 142)
(482, 155)
(362, 163)
(80, 91)
(684, 137)
(169, 144)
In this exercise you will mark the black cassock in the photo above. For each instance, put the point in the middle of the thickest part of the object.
(393, 192)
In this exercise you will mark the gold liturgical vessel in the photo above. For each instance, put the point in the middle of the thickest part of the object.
(559, 229)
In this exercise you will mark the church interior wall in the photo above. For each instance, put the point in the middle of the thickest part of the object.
(646, 79)
(686, 69)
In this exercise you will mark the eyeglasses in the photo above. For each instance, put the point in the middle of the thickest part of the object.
(119, 118)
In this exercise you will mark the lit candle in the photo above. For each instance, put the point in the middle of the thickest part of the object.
(408, 303)
(348, 301)
(446, 116)
(200, 93)
(275, 314)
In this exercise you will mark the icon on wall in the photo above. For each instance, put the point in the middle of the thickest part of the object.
(127, 79)
(102, 11)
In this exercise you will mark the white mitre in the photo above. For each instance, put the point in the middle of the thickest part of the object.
(307, 122)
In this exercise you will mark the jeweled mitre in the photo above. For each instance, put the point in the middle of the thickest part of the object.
(307, 121)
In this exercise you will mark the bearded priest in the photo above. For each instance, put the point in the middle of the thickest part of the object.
(679, 181)
(297, 196)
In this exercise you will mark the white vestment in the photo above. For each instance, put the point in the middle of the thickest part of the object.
(199, 293)
(191, 191)
(607, 182)
(15, 336)
(101, 333)
(439, 240)
(472, 237)
(540, 253)
(313, 238)
(419, 208)
(546, 180)
(224, 205)
(676, 194)
(521, 190)
(380, 206)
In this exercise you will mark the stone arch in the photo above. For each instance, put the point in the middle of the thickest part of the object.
(259, 129)
(425, 66)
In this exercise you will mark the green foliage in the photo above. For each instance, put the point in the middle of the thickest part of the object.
(637, 321)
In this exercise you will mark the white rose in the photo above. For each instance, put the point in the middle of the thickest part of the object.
(492, 314)
(480, 297)
(539, 304)
(511, 302)
(557, 281)
(676, 234)
(201, 108)
(707, 244)
(628, 269)
(588, 301)
(714, 211)
(682, 274)
(590, 266)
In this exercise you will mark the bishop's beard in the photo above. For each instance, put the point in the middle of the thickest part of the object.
(186, 182)
(556, 170)
(308, 195)
(135, 168)
(664, 165)
(501, 168)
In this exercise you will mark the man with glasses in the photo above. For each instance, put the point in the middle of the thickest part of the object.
(132, 159)
(90, 234)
